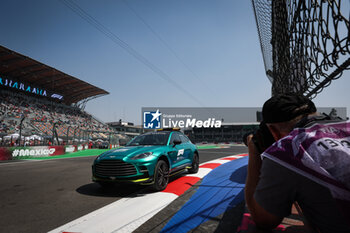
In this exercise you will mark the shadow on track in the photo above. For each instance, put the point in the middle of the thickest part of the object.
(240, 175)
(117, 190)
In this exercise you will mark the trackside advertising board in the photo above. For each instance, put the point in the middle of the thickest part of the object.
(37, 151)
(9, 153)
(75, 148)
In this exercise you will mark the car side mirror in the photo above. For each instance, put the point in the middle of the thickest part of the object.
(177, 142)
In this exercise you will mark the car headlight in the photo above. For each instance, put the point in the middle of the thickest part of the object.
(143, 155)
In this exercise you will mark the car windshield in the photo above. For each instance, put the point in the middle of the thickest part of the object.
(149, 139)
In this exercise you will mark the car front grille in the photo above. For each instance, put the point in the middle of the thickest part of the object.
(114, 168)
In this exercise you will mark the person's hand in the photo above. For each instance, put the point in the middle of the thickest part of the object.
(254, 163)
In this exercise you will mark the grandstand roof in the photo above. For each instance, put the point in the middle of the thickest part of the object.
(25, 69)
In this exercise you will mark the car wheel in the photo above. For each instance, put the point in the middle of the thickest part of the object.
(195, 164)
(161, 176)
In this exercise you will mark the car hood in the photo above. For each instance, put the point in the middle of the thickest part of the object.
(128, 151)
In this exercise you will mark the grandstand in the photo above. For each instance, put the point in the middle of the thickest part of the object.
(41, 105)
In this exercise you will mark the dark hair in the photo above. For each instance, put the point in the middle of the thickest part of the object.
(285, 107)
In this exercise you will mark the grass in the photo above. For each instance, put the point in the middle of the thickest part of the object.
(83, 153)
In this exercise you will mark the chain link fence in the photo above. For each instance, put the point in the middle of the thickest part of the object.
(305, 43)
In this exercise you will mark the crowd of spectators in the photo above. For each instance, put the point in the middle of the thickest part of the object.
(41, 114)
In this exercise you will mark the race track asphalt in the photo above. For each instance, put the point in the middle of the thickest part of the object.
(38, 196)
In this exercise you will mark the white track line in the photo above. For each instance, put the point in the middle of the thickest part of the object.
(221, 161)
(201, 172)
(124, 215)
(235, 156)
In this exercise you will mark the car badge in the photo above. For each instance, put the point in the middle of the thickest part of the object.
(112, 178)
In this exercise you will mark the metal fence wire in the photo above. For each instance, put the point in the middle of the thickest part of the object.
(305, 43)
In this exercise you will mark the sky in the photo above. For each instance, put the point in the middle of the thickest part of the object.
(194, 53)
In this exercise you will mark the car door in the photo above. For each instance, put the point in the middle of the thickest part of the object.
(187, 146)
(176, 152)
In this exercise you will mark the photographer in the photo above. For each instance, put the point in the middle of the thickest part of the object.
(300, 167)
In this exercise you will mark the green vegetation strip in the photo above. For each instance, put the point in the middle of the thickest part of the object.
(83, 153)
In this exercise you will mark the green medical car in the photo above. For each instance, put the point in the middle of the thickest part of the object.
(149, 158)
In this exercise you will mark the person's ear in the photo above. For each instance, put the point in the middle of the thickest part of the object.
(276, 134)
